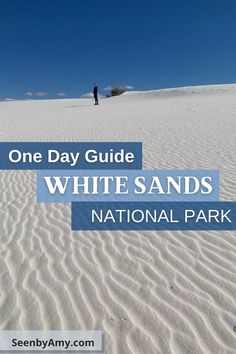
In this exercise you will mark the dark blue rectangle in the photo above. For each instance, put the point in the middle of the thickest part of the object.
(83, 213)
(67, 147)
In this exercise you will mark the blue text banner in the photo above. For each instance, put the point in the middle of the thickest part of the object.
(154, 216)
(70, 155)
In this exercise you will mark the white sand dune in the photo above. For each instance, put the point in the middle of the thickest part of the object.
(151, 292)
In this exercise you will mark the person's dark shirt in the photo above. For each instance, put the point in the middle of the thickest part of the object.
(95, 90)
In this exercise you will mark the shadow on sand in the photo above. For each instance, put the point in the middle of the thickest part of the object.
(79, 105)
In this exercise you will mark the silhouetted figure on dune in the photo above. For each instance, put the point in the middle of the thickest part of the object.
(95, 93)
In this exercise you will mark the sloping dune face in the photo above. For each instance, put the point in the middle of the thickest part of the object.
(150, 292)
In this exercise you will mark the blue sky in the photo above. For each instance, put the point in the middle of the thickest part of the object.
(64, 46)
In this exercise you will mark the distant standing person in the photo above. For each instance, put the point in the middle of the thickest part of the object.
(95, 93)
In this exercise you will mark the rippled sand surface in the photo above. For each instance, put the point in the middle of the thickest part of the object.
(150, 292)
